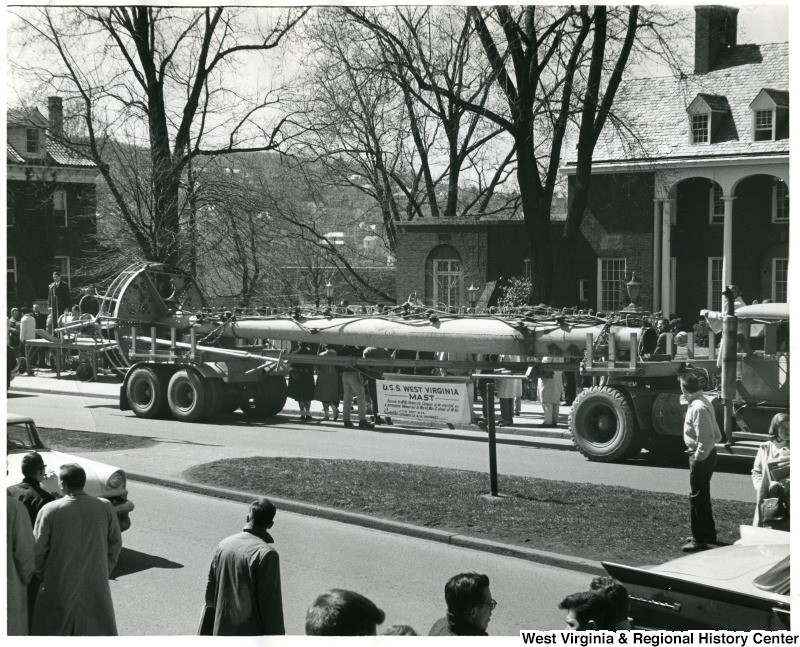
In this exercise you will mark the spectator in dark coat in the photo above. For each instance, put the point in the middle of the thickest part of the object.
(343, 613)
(301, 382)
(29, 491)
(469, 606)
(244, 581)
(329, 385)
(58, 296)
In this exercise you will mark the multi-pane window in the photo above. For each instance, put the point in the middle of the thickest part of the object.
(10, 211)
(32, 140)
(447, 282)
(780, 280)
(700, 130)
(62, 267)
(714, 282)
(11, 269)
(11, 278)
(780, 202)
(611, 283)
(716, 205)
(60, 208)
(762, 130)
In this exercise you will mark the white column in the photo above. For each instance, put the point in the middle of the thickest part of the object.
(657, 207)
(727, 242)
(666, 239)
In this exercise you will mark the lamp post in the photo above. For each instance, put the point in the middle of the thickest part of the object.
(329, 293)
(473, 291)
(633, 287)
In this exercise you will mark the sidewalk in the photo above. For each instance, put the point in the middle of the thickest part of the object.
(525, 431)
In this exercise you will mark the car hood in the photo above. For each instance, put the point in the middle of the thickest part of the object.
(735, 567)
(97, 474)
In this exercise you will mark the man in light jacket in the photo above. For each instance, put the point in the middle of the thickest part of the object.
(244, 581)
(77, 544)
(700, 433)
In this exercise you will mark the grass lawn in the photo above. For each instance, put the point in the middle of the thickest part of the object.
(596, 522)
(74, 442)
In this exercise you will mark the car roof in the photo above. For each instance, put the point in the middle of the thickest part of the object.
(15, 418)
(764, 311)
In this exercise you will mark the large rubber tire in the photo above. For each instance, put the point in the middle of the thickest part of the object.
(269, 400)
(147, 392)
(215, 392)
(604, 426)
(188, 396)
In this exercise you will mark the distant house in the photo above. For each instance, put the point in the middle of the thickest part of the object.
(696, 198)
(51, 204)
(700, 199)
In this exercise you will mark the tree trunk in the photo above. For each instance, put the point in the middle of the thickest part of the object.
(536, 210)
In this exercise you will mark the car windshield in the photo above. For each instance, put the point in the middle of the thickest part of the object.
(20, 437)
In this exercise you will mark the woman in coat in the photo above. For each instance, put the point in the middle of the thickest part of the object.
(328, 387)
(776, 448)
(301, 382)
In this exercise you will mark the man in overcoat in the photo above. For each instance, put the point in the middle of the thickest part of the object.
(77, 543)
(244, 581)
(19, 562)
(58, 297)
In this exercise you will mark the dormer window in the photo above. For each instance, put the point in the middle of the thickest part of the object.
(764, 127)
(700, 129)
(32, 140)
(706, 114)
(770, 110)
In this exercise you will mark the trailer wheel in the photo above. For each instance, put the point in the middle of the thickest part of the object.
(269, 399)
(604, 426)
(188, 396)
(215, 392)
(147, 393)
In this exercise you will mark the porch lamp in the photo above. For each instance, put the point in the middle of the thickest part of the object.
(329, 293)
(633, 287)
(473, 293)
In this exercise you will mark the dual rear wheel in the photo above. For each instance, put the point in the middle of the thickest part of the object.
(190, 397)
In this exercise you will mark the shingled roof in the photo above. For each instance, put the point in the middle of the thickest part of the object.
(653, 111)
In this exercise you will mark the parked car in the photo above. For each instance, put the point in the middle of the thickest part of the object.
(102, 480)
(741, 587)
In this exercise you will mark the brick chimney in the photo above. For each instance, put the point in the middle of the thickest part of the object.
(55, 115)
(714, 32)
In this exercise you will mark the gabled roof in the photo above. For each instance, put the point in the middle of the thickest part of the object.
(714, 102)
(26, 117)
(779, 97)
(652, 112)
(12, 155)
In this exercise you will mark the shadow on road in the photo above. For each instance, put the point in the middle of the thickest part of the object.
(10, 395)
(726, 464)
(133, 561)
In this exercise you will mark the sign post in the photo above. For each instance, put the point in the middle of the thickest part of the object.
(492, 436)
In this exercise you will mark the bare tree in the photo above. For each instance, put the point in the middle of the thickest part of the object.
(160, 76)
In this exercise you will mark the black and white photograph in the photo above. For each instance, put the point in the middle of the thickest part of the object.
(397, 320)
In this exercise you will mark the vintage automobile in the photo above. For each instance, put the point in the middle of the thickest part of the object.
(741, 587)
(102, 480)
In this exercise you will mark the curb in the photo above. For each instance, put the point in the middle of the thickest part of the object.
(397, 527)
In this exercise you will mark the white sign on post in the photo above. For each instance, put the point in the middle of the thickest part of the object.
(445, 401)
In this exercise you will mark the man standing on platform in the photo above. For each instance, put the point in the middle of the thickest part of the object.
(58, 297)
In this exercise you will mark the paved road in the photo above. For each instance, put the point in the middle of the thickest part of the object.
(181, 445)
(159, 583)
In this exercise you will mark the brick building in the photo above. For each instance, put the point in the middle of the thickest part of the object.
(697, 200)
(701, 198)
(51, 204)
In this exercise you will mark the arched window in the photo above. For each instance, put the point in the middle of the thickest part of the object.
(445, 270)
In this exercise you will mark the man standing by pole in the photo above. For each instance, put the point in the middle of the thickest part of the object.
(244, 581)
(58, 298)
(700, 433)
